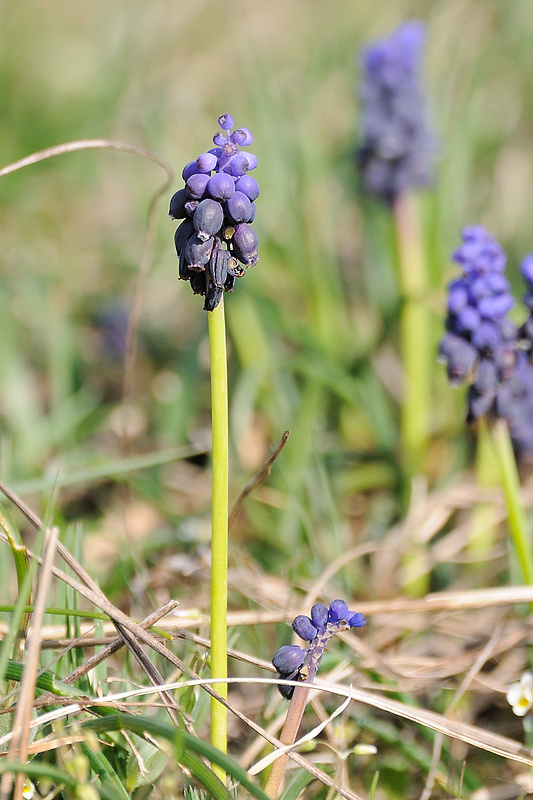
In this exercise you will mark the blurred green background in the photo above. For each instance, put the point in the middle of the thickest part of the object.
(313, 330)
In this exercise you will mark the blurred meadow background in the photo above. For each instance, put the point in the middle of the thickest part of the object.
(313, 337)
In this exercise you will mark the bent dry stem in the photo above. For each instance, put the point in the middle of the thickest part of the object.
(219, 535)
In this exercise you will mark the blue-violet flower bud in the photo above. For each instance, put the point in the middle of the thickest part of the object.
(304, 628)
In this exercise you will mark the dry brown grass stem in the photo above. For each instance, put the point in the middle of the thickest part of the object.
(18, 747)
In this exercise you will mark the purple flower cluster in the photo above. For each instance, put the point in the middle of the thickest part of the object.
(215, 243)
(480, 343)
(482, 346)
(398, 148)
(293, 662)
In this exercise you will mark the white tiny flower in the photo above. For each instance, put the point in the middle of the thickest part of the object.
(364, 749)
(520, 695)
(28, 789)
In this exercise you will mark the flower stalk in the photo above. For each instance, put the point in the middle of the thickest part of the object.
(219, 518)
(510, 482)
(216, 244)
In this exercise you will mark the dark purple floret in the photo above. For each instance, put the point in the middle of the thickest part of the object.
(245, 244)
(207, 219)
(338, 610)
(459, 356)
(398, 149)
(183, 234)
(198, 252)
(243, 137)
(289, 658)
(248, 186)
(189, 169)
(226, 122)
(206, 162)
(304, 628)
(196, 185)
(319, 615)
(217, 207)
(221, 186)
(177, 204)
(239, 208)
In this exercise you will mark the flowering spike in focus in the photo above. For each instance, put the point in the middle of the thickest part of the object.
(217, 207)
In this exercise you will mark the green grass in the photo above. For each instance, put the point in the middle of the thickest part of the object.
(313, 343)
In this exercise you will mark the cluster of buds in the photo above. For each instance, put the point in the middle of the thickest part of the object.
(398, 149)
(215, 243)
(292, 662)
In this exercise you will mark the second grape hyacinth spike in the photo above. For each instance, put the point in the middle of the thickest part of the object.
(215, 242)
(293, 662)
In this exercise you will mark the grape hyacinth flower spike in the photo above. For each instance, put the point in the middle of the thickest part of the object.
(398, 149)
(293, 662)
(215, 242)
(480, 346)
(296, 663)
(483, 348)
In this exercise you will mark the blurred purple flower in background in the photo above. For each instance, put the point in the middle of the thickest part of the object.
(482, 346)
(398, 149)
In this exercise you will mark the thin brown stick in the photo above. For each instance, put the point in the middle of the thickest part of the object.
(257, 479)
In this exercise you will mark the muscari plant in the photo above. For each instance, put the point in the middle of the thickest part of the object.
(483, 348)
(294, 663)
(215, 244)
(396, 156)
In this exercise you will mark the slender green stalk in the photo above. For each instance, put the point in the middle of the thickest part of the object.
(219, 532)
(415, 339)
(511, 492)
(483, 523)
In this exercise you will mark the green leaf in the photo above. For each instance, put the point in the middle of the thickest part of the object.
(296, 785)
(188, 748)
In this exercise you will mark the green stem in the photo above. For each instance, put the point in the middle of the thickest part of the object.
(219, 533)
(511, 492)
(482, 532)
(415, 339)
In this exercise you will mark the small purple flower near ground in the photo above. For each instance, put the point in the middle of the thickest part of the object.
(215, 243)
(398, 149)
(293, 662)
